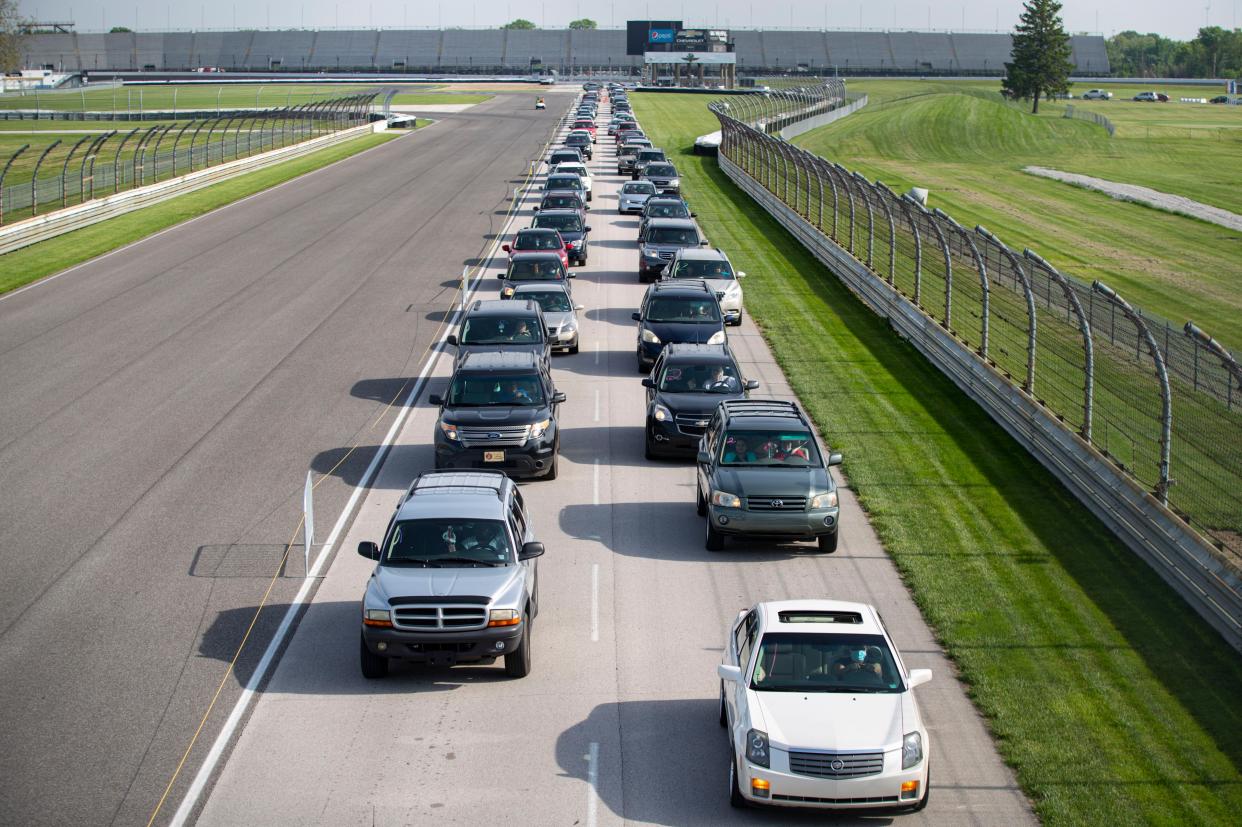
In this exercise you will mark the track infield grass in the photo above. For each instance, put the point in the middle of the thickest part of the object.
(1112, 700)
(29, 264)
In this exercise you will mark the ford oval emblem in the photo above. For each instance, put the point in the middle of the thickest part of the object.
(493, 436)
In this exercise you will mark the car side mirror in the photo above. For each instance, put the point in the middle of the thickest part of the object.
(648, 382)
(435, 399)
(571, 275)
(694, 215)
(568, 246)
(587, 230)
(504, 247)
(741, 275)
(752, 384)
(732, 674)
(532, 549)
(703, 458)
(638, 317)
(536, 209)
(579, 307)
(451, 339)
(370, 551)
(558, 398)
(918, 677)
(703, 243)
(834, 459)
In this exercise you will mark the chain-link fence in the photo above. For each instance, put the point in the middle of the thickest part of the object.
(1163, 402)
(69, 171)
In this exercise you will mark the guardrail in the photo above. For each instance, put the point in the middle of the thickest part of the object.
(1094, 117)
(1102, 395)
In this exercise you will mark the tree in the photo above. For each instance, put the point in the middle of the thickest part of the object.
(120, 29)
(584, 23)
(1041, 54)
(10, 51)
(520, 23)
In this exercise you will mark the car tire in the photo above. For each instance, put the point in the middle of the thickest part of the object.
(738, 323)
(642, 368)
(573, 348)
(517, 662)
(647, 452)
(735, 793)
(619, 171)
(700, 503)
(827, 542)
(633, 176)
(724, 713)
(552, 472)
(590, 195)
(373, 666)
(715, 540)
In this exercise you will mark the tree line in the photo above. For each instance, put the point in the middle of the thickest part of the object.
(1214, 53)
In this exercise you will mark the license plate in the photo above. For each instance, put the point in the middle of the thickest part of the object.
(493, 456)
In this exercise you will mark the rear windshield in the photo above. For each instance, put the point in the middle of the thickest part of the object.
(549, 270)
(537, 241)
(661, 169)
(825, 663)
(501, 330)
(638, 188)
(715, 377)
(789, 447)
(551, 301)
(565, 157)
(564, 182)
(651, 155)
(568, 223)
(678, 210)
(719, 270)
(689, 310)
(488, 391)
(672, 235)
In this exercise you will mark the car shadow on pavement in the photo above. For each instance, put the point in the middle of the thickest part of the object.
(393, 391)
(616, 244)
(401, 464)
(612, 315)
(616, 276)
(610, 362)
(673, 766)
(333, 669)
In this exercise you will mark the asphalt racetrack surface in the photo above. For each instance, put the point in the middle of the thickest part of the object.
(160, 409)
(617, 723)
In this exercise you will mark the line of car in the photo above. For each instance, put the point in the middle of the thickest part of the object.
(815, 697)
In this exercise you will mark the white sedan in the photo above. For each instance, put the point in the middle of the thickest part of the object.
(575, 169)
(820, 710)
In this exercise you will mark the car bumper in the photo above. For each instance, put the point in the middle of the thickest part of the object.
(874, 792)
(666, 439)
(531, 460)
(647, 352)
(630, 206)
(443, 648)
(565, 341)
(651, 265)
(791, 524)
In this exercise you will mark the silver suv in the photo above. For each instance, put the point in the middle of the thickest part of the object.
(456, 580)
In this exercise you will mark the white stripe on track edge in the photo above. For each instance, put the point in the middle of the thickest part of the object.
(195, 791)
(592, 784)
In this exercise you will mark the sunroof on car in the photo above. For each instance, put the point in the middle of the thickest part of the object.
(819, 617)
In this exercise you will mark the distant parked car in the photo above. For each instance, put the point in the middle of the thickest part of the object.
(1151, 97)
(1220, 99)
(1096, 95)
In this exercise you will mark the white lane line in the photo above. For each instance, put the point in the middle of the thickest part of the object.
(592, 784)
(597, 404)
(597, 351)
(595, 483)
(595, 602)
(260, 673)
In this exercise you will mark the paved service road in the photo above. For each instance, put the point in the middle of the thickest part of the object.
(160, 408)
(617, 721)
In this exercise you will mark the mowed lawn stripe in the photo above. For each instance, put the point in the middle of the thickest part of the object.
(1111, 699)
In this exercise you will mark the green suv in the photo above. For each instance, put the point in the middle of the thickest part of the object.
(761, 473)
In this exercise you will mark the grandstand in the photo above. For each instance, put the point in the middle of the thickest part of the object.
(496, 51)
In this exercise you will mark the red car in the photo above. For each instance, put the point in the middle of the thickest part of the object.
(589, 126)
(538, 238)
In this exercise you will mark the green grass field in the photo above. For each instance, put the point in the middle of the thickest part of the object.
(1110, 698)
(29, 264)
(185, 96)
(969, 151)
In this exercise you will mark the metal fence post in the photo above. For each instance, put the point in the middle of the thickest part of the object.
(155, 160)
(140, 156)
(1166, 396)
(836, 198)
(64, 170)
(906, 208)
(116, 161)
(883, 195)
(193, 138)
(948, 265)
(1084, 328)
(863, 185)
(1202, 338)
(34, 179)
(819, 222)
(4, 173)
(980, 267)
(92, 153)
(177, 141)
(1029, 384)
(849, 194)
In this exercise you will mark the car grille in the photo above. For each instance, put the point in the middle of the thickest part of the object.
(691, 424)
(667, 255)
(439, 618)
(810, 799)
(502, 435)
(791, 503)
(553, 332)
(836, 765)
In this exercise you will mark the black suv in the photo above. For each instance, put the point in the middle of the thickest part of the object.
(684, 388)
(661, 241)
(662, 206)
(500, 412)
(677, 311)
(580, 141)
(569, 224)
(495, 325)
(646, 155)
(761, 474)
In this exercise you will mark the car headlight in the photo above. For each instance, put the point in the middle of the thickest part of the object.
(650, 252)
(506, 293)
(449, 431)
(661, 414)
(570, 326)
(503, 617)
(734, 289)
(540, 428)
(828, 500)
(650, 338)
(377, 617)
(717, 338)
(576, 243)
(757, 748)
(674, 182)
(911, 750)
(727, 500)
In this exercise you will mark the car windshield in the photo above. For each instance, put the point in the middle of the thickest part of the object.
(707, 378)
(540, 270)
(538, 241)
(448, 543)
(565, 158)
(703, 270)
(550, 301)
(501, 330)
(668, 210)
(685, 310)
(564, 182)
(660, 169)
(638, 188)
(672, 235)
(787, 662)
(561, 202)
(568, 223)
(793, 448)
(490, 391)
(575, 168)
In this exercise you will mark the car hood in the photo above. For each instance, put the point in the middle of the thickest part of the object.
(572, 235)
(412, 581)
(558, 318)
(684, 332)
(499, 417)
(829, 720)
(695, 403)
(771, 481)
(666, 246)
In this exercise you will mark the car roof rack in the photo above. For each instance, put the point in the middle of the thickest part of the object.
(457, 482)
(762, 407)
(674, 284)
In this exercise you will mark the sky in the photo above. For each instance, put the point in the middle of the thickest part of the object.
(1103, 16)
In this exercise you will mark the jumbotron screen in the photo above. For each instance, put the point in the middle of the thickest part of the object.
(641, 35)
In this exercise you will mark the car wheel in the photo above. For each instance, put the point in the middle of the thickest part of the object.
(618, 170)
(700, 504)
(552, 472)
(573, 348)
(633, 176)
(647, 452)
(642, 368)
(827, 542)
(373, 666)
(738, 323)
(715, 540)
(517, 662)
(590, 195)
(735, 794)
(724, 713)
(926, 795)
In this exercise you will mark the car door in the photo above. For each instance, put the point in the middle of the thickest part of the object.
(742, 642)
(708, 443)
